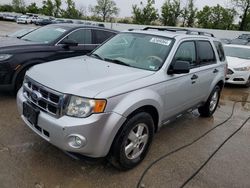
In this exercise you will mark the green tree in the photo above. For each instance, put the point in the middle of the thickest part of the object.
(244, 6)
(6, 8)
(170, 12)
(216, 17)
(18, 6)
(144, 14)
(57, 8)
(105, 9)
(48, 8)
(32, 8)
(192, 11)
(71, 11)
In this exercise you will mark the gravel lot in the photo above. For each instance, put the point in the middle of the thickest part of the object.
(26, 160)
(10, 27)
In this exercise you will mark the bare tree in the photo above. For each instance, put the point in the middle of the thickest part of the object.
(105, 9)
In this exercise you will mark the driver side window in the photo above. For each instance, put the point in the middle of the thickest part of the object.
(186, 52)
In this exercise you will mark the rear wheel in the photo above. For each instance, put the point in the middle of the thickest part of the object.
(132, 142)
(210, 106)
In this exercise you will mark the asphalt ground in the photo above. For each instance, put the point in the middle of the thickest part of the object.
(26, 160)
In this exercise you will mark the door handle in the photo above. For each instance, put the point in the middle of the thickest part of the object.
(215, 71)
(194, 77)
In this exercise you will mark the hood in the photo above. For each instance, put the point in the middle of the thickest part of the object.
(9, 41)
(84, 76)
(235, 62)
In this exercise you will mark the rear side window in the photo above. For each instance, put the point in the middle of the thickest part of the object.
(186, 52)
(205, 52)
(100, 36)
(220, 50)
(81, 36)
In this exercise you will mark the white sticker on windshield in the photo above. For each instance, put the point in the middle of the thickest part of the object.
(60, 30)
(161, 41)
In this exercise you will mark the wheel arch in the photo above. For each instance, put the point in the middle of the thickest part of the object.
(26, 66)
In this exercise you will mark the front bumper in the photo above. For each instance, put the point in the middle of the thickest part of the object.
(238, 77)
(99, 130)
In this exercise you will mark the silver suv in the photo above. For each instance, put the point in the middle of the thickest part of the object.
(112, 102)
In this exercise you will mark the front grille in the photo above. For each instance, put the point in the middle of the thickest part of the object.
(46, 99)
(229, 71)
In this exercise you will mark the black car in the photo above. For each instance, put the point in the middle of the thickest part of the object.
(48, 43)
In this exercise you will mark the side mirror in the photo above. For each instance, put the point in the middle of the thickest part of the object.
(179, 67)
(68, 42)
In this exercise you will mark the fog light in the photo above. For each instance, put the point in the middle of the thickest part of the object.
(76, 141)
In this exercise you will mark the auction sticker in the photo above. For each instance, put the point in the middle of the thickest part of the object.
(161, 41)
(60, 30)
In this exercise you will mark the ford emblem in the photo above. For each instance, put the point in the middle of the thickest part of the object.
(36, 96)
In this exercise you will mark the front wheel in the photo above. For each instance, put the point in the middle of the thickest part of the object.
(210, 106)
(19, 80)
(132, 142)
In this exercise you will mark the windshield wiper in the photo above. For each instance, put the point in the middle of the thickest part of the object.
(117, 62)
(96, 55)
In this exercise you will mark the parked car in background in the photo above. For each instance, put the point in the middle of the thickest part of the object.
(78, 22)
(112, 102)
(24, 19)
(68, 21)
(239, 41)
(52, 42)
(56, 21)
(238, 58)
(10, 18)
(226, 40)
(245, 37)
(43, 22)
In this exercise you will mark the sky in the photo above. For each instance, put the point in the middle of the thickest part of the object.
(125, 6)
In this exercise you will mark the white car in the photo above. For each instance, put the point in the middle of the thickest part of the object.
(23, 19)
(238, 58)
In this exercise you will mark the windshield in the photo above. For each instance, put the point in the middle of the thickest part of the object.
(243, 53)
(136, 50)
(45, 34)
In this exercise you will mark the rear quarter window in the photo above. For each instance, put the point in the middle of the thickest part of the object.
(220, 50)
(205, 52)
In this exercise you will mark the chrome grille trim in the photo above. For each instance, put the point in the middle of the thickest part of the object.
(50, 101)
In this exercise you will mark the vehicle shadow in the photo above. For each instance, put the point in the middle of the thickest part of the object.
(7, 95)
(235, 86)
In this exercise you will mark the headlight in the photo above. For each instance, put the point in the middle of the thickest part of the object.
(82, 107)
(5, 56)
(242, 69)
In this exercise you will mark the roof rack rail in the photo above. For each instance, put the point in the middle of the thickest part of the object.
(187, 31)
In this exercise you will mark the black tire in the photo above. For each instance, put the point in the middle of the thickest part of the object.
(206, 110)
(19, 80)
(118, 157)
